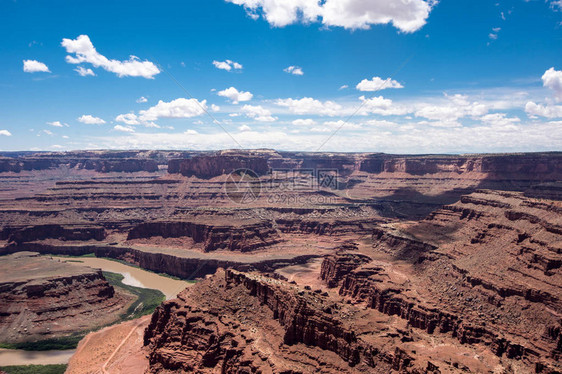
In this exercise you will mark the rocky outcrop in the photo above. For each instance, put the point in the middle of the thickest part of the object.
(482, 271)
(39, 232)
(398, 245)
(269, 325)
(335, 267)
(126, 162)
(214, 165)
(241, 237)
(326, 226)
(530, 166)
(535, 166)
(43, 298)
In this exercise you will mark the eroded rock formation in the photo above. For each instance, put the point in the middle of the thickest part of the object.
(42, 298)
(260, 324)
(243, 237)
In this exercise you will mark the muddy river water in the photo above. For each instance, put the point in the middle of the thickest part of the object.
(133, 276)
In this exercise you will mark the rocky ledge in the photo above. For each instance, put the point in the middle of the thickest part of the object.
(240, 322)
(242, 237)
(42, 298)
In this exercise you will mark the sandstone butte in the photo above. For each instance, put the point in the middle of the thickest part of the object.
(408, 264)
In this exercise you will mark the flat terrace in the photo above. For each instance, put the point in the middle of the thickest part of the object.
(30, 266)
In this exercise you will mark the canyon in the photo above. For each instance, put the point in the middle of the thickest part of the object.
(331, 262)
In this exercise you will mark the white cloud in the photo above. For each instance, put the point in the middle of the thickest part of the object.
(128, 119)
(88, 119)
(494, 34)
(295, 70)
(142, 99)
(235, 96)
(123, 128)
(308, 105)
(178, 108)
(227, 65)
(456, 107)
(548, 111)
(48, 132)
(57, 124)
(377, 83)
(215, 108)
(500, 120)
(344, 87)
(258, 113)
(85, 52)
(382, 106)
(304, 122)
(405, 138)
(340, 124)
(5, 133)
(405, 15)
(84, 71)
(244, 128)
(34, 66)
(553, 80)
(556, 4)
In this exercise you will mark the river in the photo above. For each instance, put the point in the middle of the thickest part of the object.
(133, 276)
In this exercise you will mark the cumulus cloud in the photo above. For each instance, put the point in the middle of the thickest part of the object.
(456, 107)
(382, 106)
(295, 70)
(88, 119)
(258, 113)
(34, 66)
(84, 52)
(142, 99)
(377, 83)
(57, 124)
(5, 133)
(548, 111)
(405, 15)
(308, 105)
(128, 119)
(84, 72)
(244, 128)
(123, 128)
(500, 120)
(178, 108)
(227, 65)
(304, 122)
(553, 80)
(235, 96)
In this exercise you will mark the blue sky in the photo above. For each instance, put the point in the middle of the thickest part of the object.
(394, 76)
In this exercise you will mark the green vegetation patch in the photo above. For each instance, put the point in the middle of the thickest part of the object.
(61, 343)
(147, 298)
(34, 369)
